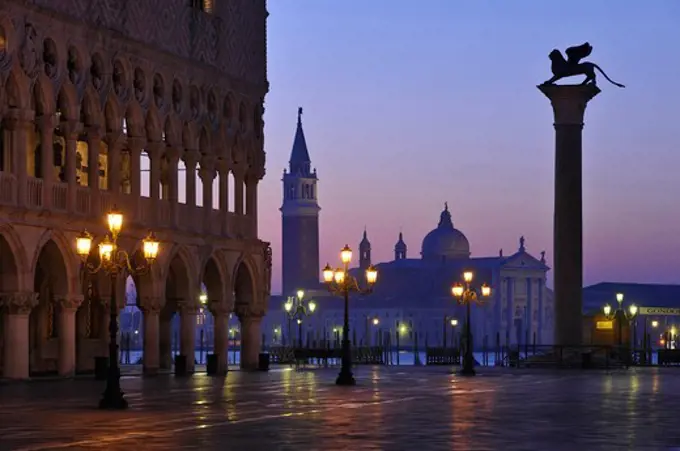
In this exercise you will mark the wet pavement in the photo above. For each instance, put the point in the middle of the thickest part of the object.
(391, 409)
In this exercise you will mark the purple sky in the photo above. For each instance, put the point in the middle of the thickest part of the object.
(410, 104)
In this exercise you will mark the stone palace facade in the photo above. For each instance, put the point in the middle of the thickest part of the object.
(90, 90)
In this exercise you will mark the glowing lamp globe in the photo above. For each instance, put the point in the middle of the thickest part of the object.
(84, 244)
(486, 290)
(300, 294)
(633, 309)
(371, 275)
(339, 276)
(106, 249)
(376, 321)
(607, 309)
(115, 220)
(457, 290)
(619, 297)
(312, 306)
(346, 254)
(467, 276)
(150, 247)
(454, 322)
(288, 306)
(328, 274)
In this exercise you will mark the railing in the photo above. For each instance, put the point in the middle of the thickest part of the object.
(442, 356)
(7, 188)
(59, 196)
(324, 356)
(34, 197)
(83, 200)
(142, 211)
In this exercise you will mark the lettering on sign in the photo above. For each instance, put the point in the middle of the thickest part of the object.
(669, 311)
(604, 325)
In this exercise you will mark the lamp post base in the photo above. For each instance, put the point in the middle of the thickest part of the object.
(113, 400)
(467, 372)
(345, 378)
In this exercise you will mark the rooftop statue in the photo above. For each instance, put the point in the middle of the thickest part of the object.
(562, 68)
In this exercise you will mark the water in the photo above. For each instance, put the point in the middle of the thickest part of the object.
(405, 357)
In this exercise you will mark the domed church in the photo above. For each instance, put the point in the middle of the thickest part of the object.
(520, 306)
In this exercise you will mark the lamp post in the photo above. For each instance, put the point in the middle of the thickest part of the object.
(114, 261)
(296, 309)
(466, 295)
(620, 315)
(341, 283)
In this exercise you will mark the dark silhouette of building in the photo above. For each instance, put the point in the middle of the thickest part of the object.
(300, 218)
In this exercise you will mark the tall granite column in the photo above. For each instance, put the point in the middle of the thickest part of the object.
(569, 106)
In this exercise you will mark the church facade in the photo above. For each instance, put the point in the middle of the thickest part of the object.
(157, 112)
(413, 295)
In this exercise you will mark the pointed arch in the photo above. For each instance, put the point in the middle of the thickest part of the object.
(214, 277)
(11, 240)
(67, 102)
(134, 120)
(244, 282)
(17, 89)
(154, 131)
(112, 116)
(180, 275)
(90, 110)
(53, 242)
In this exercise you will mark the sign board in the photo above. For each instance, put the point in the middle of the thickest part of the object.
(604, 325)
(668, 311)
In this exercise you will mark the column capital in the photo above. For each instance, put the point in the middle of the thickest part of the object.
(70, 129)
(19, 303)
(219, 309)
(105, 300)
(151, 304)
(207, 174)
(69, 302)
(188, 306)
(114, 139)
(239, 170)
(155, 149)
(191, 157)
(15, 118)
(569, 101)
(136, 143)
(249, 311)
(173, 154)
(47, 122)
(223, 166)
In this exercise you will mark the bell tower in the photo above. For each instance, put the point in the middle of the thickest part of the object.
(300, 218)
(364, 253)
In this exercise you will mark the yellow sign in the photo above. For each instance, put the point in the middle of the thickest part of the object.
(604, 325)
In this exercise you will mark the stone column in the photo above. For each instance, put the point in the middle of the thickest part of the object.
(187, 331)
(155, 150)
(114, 142)
(207, 174)
(136, 144)
(67, 333)
(239, 177)
(220, 314)
(190, 160)
(251, 204)
(19, 123)
(70, 130)
(94, 143)
(173, 195)
(46, 125)
(251, 339)
(223, 169)
(151, 307)
(165, 340)
(16, 307)
(569, 105)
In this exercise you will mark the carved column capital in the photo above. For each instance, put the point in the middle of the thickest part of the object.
(188, 306)
(114, 139)
(244, 311)
(155, 149)
(19, 303)
(219, 309)
(69, 302)
(18, 119)
(207, 174)
(223, 167)
(191, 158)
(70, 129)
(173, 154)
(105, 300)
(136, 143)
(151, 305)
(46, 122)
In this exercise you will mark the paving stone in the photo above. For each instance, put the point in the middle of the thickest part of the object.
(391, 408)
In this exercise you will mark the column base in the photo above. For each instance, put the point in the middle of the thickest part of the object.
(345, 378)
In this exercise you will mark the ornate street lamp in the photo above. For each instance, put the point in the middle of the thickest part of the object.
(296, 310)
(115, 261)
(341, 283)
(466, 295)
(620, 315)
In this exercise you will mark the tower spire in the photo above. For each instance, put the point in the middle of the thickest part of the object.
(300, 163)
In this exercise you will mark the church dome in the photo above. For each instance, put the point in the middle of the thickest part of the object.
(445, 242)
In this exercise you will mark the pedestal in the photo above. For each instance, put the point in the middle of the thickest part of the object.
(569, 104)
